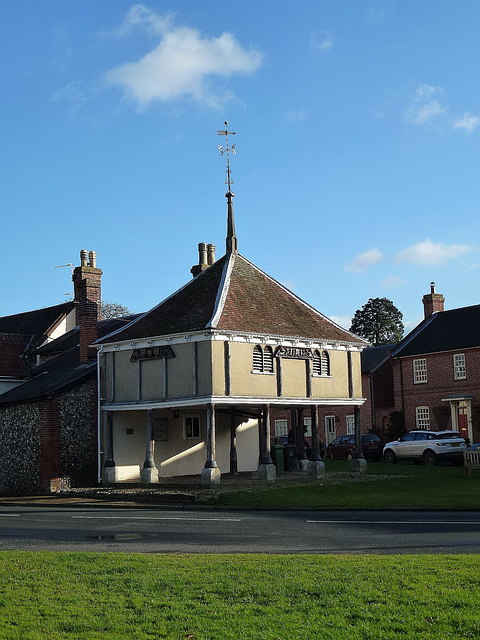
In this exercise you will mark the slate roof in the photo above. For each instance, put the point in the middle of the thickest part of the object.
(374, 357)
(62, 371)
(35, 323)
(451, 330)
(235, 295)
(51, 378)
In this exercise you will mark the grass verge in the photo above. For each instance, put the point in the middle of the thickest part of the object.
(383, 486)
(241, 597)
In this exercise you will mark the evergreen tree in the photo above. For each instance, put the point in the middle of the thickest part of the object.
(379, 321)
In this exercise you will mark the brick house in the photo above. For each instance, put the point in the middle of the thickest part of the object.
(377, 385)
(437, 370)
(48, 411)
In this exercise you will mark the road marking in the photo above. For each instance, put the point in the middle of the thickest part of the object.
(10, 515)
(476, 523)
(157, 518)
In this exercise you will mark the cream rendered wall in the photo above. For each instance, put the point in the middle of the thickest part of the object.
(357, 374)
(243, 381)
(180, 371)
(335, 385)
(294, 378)
(247, 446)
(129, 449)
(178, 456)
(204, 368)
(152, 379)
(126, 377)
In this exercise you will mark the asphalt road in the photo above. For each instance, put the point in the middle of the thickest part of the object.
(211, 531)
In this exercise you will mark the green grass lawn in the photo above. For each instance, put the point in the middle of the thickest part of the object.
(131, 596)
(384, 486)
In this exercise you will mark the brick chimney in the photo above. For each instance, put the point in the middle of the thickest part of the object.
(432, 302)
(87, 291)
(206, 257)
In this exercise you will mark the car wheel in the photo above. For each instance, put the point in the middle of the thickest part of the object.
(389, 457)
(430, 458)
(349, 455)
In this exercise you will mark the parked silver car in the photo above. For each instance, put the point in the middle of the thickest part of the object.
(429, 447)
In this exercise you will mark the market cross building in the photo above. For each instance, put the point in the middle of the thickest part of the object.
(189, 387)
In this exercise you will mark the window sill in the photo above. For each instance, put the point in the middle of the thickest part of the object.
(264, 373)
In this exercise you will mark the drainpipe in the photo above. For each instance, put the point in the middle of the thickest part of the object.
(99, 440)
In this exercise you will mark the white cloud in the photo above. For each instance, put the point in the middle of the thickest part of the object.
(428, 252)
(468, 122)
(299, 115)
(144, 18)
(184, 64)
(365, 260)
(343, 321)
(73, 93)
(321, 41)
(393, 282)
(424, 107)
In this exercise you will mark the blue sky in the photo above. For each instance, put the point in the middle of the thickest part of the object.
(357, 134)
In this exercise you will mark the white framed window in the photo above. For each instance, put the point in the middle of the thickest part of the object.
(350, 424)
(262, 359)
(422, 418)
(191, 427)
(459, 369)
(307, 426)
(419, 370)
(281, 428)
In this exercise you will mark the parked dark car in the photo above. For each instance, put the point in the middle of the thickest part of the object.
(474, 447)
(343, 447)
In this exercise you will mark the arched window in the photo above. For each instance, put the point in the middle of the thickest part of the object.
(325, 364)
(262, 361)
(268, 360)
(316, 364)
(320, 363)
(257, 358)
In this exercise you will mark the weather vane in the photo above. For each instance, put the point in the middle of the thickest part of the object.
(227, 149)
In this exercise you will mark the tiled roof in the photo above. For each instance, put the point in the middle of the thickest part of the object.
(35, 323)
(444, 331)
(234, 295)
(62, 371)
(11, 348)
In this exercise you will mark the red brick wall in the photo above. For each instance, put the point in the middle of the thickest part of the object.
(49, 441)
(440, 384)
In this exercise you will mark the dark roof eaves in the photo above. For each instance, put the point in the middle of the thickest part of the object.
(397, 353)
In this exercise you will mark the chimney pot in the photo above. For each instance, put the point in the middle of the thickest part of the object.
(92, 256)
(83, 258)
(211, 254)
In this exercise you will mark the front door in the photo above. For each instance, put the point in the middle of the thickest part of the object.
(462, 419)
(330, 429)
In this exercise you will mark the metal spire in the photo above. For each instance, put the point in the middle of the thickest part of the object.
(231, 242)
(227, 149)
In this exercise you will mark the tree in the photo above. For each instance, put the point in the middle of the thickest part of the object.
(109, 310)
(379, 321)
